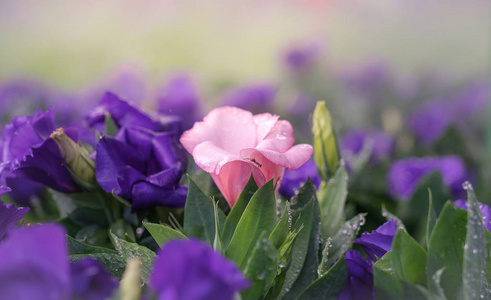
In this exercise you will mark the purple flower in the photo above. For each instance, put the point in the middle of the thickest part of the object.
(371, 81)
(379, 241)
(125, 114)
(380, 144)
(431, 120)
(485, 211)
(34, 264)
(300, 57)
(405, 175)
(29, 153)
(179, 96)
(9, 216)
(294, 179)
(360, 279)
(142, 165)
(256, 97)
(191, 270)
(90, 280)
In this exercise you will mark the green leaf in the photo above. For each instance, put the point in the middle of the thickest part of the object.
(217, 242)
(326, 153)
(76, 247)
(162, 233)
(93, 235)
(110, 127)
(128, 250)
(304, 254)
(330, 285)
(387, 286)
(280, 232)
(260, 268)
(446, 250)
(123, 230)
(259, 216)
(408, 259)
(417, 206)
(236, 212)
(332, 197)
(112, 262)
(85, 216)
(432, 216)
(199, 220)
(340, 243)
(474, 270)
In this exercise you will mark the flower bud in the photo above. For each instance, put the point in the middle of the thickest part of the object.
(76, 158)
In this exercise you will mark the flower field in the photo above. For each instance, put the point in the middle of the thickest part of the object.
(331, 181)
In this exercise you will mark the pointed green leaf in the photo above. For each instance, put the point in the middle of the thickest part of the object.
(110, 127)
(474, 270)
(199, 217)
(408, 259)
(330, 285)
(217, 242)
(123, 230)
(332, 198)
(259, 216)
(340, 243)
(446, 250)
(76, 247)
(326, 151)
(432, 216)
(260, 268)
(162, 233)
(281, 230)
(236, 212)
(304, 254)
(128, 250)
(112, 262)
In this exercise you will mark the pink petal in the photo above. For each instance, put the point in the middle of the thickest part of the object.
(212, 158)
(229, 128)
(291, 159)
(279, 139)
(234, 177)
(264, 123)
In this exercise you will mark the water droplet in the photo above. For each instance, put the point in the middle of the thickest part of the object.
(467, 186)
(474, 251)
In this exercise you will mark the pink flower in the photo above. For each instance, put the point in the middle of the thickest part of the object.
(231, 144)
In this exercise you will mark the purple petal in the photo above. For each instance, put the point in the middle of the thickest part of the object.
(191, 270)
(485, 211)
(90, 280)
(294, 179)
(378, 242)
(255, 97)
(360, 280)
(146, 195)
(34, 264)
(9, 216)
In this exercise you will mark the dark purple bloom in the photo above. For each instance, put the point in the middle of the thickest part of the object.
(255, 97)
(405, 175)
(9, 216)
(34, 264)
(125, 114)
(142, 165)
(471, 100)
(360, 280)
(179, 96)
(191, 270)
(90, 280)
(380, 144)
(29, 153)
(485, 211)
(294, 179)
(300, 57)
(431, 120)
(379, 241)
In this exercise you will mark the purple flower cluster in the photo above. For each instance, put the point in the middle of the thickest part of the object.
(405, 175)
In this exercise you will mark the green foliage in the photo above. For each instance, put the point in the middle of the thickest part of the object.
(199, 214)
(304, 254)
(332, 198)
(258, 216)
(128, 250)
(408, 259)
(163, 233)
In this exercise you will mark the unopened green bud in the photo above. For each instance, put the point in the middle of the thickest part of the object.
(326, 153)
(75, 157)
